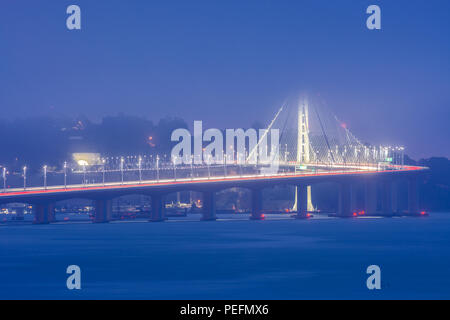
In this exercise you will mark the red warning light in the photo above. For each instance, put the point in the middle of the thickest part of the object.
(355, 214)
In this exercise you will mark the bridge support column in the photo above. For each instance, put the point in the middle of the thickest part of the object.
(158, 208)
(394, 197)
(43, 213)
(302, 201)
(257, 202)
(20, 213)
(209, 206)
(51, 215)
(413, 196)
(103, 210)
(386, 200)
(345, 200)
(370, 197)
(353, 198)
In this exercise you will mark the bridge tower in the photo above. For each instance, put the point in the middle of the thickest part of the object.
(303, 146)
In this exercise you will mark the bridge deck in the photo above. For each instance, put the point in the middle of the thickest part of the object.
(237, 179)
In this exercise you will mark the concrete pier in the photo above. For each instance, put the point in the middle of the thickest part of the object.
(413, 195)
(158, 208)
(345, 199)
(354, 208)
(103, 210)
(43, 212)
(19, 213)
(386, 198)
(370, 197)
(209, 206)
(394, 197)
(302, 201)
(257, 203)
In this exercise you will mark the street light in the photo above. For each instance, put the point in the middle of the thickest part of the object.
(140, 168)
(207, 164)
(285, 153)
(121, 167)
(225, 165)
(45, 177)
(84, 174)
(175, 167)
(157, 167)
(403, 156)
(103, 172)
(24, 177)
(239, 162)
(4, 179)
(192, 167)
(65, 174)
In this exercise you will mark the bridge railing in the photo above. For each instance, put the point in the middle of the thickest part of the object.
(167, 172)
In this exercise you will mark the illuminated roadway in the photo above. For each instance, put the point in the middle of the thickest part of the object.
(200, 183)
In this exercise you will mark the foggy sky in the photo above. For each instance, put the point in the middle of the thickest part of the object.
(230, 63)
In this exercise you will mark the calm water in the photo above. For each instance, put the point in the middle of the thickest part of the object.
(237, 259)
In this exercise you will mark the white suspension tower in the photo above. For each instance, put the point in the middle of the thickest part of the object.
(303, 145)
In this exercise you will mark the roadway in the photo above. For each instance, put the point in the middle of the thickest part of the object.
(203, 183)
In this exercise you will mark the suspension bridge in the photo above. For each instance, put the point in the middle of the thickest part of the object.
(314, 147)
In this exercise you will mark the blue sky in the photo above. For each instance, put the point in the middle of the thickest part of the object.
(230, 63)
